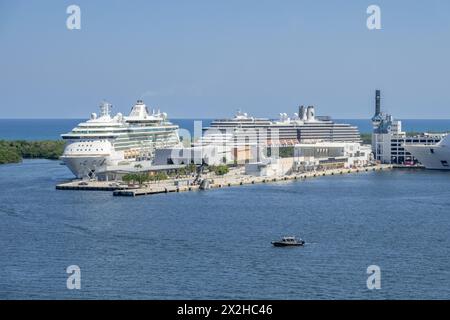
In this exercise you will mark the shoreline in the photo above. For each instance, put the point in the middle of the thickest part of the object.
(14, 151)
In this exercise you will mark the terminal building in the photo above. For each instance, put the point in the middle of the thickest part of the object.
(331, 155)
(313, 156)
(389, 141)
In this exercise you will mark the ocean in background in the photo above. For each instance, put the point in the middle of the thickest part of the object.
(50, 129)
(215, 244)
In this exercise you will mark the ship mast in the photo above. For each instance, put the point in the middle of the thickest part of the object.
(105, 108)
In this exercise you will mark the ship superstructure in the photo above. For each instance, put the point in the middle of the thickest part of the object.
(303, 127)
(106, 140)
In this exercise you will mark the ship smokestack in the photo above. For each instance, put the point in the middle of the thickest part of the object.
(301, 113)
(377, 102)
(310, 113)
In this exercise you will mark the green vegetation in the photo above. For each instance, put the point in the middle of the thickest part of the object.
(366, 138)
(142, 177)
(219, 170)
(14, 151)
(8, 154)
(158, 176)
(138, 178)
(192, 169)
(185, 171)
(283, 152)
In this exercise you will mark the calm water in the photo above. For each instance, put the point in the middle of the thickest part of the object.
(42, 129)
(216, 244)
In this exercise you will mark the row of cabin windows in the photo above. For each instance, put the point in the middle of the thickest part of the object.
(415, 141)
(401, 153)
(82, 145)
(93, 140)
(86, 149)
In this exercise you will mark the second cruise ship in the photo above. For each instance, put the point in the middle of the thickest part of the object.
(303, 127)
(107, 140)
(435, 156)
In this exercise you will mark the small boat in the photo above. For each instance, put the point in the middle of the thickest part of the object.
(288, 242)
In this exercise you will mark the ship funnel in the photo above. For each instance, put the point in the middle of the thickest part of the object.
(310, 113)
(377, 102)
(302, 113)
(139, 110)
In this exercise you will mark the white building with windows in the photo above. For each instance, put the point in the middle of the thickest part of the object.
(332, 154)
(209, 155)
(313, 156)
(389, 141)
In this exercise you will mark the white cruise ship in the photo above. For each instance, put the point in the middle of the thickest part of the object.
(243, 134)
(432, 156)
(107, 140)
(304, 126)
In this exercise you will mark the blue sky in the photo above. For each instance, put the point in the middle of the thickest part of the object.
(205, 59)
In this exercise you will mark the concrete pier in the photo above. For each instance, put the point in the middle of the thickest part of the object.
(91, 186)
(229, 180)
(148, 190)
(239, 180)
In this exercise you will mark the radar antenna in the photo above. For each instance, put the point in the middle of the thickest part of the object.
(105, 108)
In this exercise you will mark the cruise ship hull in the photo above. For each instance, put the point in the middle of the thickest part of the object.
(85, 166)
(431, 157)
